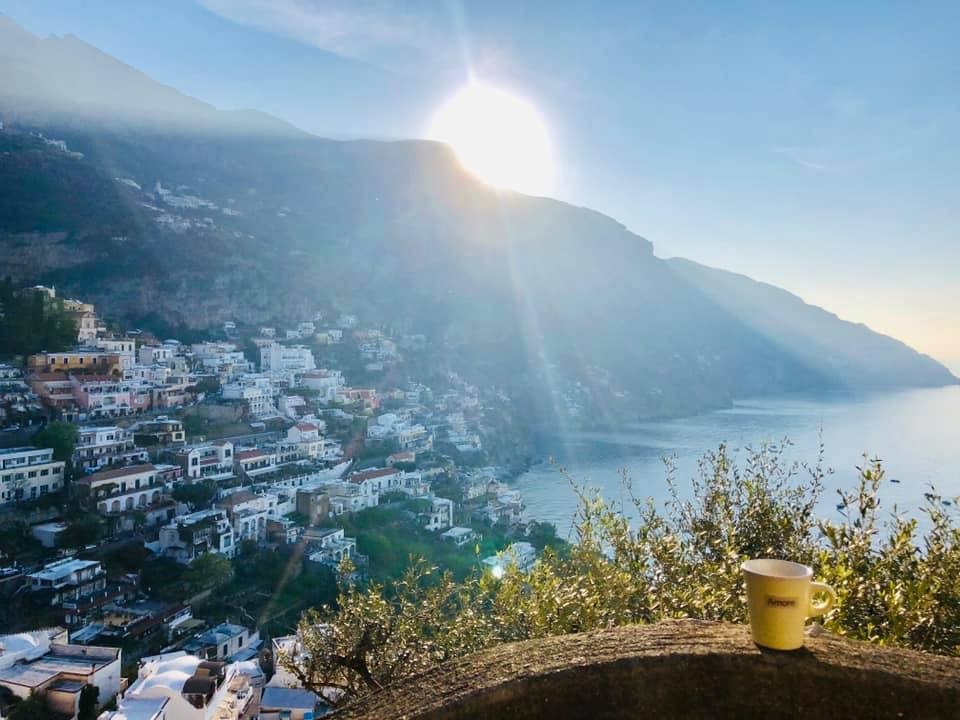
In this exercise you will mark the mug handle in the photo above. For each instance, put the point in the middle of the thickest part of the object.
(821, 608)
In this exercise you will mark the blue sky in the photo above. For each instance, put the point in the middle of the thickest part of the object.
(811, 145)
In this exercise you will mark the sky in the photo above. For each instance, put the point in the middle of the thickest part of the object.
(814, 146)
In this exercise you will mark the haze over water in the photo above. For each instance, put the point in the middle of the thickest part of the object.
(915, 432)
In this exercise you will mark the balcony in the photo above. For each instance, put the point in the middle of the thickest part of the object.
(675, 669)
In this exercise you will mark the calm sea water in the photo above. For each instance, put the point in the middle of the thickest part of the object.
(916, 433)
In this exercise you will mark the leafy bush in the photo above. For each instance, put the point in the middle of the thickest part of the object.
(61, 436)
(894, 585)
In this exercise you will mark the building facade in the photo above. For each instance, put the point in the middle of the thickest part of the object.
(191, 536)
(99, 447)
(27, 473)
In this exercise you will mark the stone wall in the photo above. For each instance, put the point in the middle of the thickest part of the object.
(676, 669)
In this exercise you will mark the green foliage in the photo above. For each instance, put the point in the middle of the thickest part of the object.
(31, 708)
(81, 531)
(198, 495)
(893, 587)
(16, 540)
(390, 535)
(87, 704)
(164, 577)
(31, 322)
(684, 561)
(209, 571)
(61, 436)
(207, 384)
(193, 425)
(543, 535)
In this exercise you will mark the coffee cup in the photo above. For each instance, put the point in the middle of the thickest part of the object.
(780, 597)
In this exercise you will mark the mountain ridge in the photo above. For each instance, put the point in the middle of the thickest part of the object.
(561, 304)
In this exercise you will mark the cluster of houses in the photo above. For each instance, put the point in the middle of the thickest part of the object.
(215, 676)
(133, 462)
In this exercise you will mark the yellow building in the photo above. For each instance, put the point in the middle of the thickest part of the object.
(76, 361)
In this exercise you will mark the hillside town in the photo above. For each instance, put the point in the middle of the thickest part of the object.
(171, 508)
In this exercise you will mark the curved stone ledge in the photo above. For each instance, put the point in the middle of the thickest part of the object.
(676, 669)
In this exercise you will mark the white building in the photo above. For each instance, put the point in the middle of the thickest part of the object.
(306, 328)
(222, 358)
(256, 393)
(253, 462)
(414, 437)
(280, 703)
(27, 473)
(178, 686)
(98, 447)
(68, 579)
(460, 536)
(292, 406)
(157, 354)
(48, 533)
(311, 443)
(125, 349)
(209, 460)
(331, 546)
(440, 516)
(373, 483)
(249, 513)
(153, 374)
(285, 358)
(190, 536)
(135, 487)
(349, 498)
(520, 554)
(226, 641)
(42, 662)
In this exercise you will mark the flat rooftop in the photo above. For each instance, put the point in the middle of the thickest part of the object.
(22, 448)
(64, 567)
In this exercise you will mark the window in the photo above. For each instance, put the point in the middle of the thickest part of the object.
(44, 472)
(32, 474)
(226, 649)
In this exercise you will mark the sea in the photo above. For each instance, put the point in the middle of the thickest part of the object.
(916, 433)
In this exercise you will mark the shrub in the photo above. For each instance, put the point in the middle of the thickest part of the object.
(894, 586)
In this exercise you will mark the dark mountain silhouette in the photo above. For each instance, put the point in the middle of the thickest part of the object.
(167, 212)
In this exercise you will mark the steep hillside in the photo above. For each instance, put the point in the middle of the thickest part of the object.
(185, 218)
(852, 353)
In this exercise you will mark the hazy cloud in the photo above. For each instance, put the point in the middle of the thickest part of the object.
(369, 31)
(810, 159)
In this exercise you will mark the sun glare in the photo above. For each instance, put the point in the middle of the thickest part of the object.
(498, 137)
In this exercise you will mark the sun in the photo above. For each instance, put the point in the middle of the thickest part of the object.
(499, 137)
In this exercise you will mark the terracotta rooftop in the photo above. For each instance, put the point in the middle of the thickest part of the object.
(118, 473)
(249, 454)
(236, 498)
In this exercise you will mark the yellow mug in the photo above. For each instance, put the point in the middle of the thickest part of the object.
(780, 598)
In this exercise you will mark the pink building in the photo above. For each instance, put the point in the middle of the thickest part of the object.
(104, 396)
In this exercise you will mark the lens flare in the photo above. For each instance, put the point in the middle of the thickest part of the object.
(499, 137)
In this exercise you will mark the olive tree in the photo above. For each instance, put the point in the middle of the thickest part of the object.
(894, 585)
